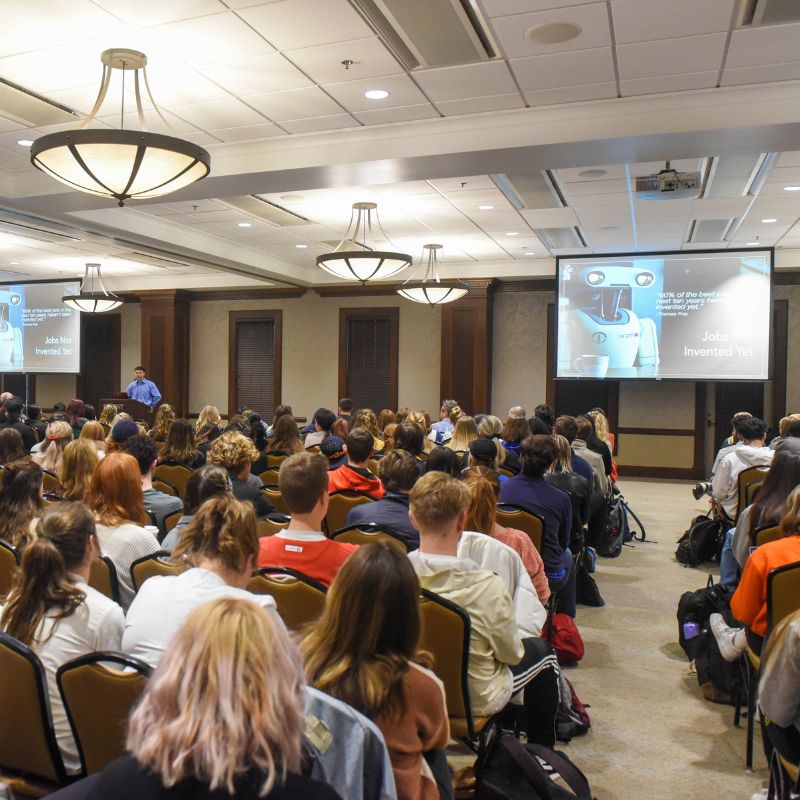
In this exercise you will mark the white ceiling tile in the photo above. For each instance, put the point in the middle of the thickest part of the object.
(370, 57)
(174, 83)
(49, 22)
(404, 188)
(480, 105)
(230, 113)
(12, 41)
(465, 81)
(564, 69)
(504, 8)
(513, 32)
(256, 75)
(203, 40)
(469, 182)
(291, 24)
(765, 73)
(671, 56)
(571, 94)
(144, 14)
(200, 137)
(789, 159)
(647, 20)
(550, 217)
(309, 125)
(591, 173)
(719, 207)
(247, 132)
(177, 125)
(295, 104)
(402, 92)
(669, 83)
(398, 114)
(771, 44)
(605, 186)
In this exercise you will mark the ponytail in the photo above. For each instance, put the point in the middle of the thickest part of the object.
(484, 490)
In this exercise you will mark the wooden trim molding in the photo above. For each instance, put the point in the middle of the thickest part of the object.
(533, 285)
(247, 294)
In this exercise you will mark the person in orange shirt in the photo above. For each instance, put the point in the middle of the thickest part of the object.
(303, 484)
(353, 474)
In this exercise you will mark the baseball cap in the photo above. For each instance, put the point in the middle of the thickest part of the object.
(332, 447)
(483, 449)
(123, 430)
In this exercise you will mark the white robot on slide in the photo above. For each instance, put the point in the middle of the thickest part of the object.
(601, 327)
(10, 337)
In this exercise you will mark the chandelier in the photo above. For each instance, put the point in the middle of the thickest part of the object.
(358, 261)
(122, 164)
(89, 299)
(426, 285)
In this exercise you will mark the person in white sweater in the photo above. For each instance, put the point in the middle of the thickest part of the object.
(52, 609)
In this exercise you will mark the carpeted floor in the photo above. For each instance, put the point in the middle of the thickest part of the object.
(653, 735)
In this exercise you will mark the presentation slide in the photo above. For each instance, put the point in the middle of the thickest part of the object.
(38, 333)
(702, 316)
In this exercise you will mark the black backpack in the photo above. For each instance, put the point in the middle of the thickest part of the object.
(698, 606)
(607, 529)
(587, 592)
(702, 542)
(516, 771)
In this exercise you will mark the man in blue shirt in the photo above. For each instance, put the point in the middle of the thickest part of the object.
(143, 390)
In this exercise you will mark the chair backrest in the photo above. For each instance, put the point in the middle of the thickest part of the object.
(171, 520)
(766, 533)
(751, 490)
(339, 504)
(160, 485)
(27, 740)
(269, 527)
(269, 477)
(9, 561)
(783, 593)
(98, 700)
(368, 533)
(445, 635)
(299, 599)
(504, 471)
(510, 516)
(272, 493)
(744, 479)
(155, 564)
(275, 461)
(176, 475)
(50, 481)
(103, 577)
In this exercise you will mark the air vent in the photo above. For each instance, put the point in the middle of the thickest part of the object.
(561, 238)
(708, 230)
(266, 210)
(36, 233)
(31, 109)
(429, 33)
(153, 261)
(769, 12)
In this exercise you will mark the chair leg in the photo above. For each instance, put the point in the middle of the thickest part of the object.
(741, 691)
(752, 686)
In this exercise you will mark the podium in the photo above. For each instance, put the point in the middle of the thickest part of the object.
(133, 407)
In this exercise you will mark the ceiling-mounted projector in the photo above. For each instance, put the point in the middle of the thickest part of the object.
(669, 184)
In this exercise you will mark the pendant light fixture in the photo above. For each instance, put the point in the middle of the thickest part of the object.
(426, 286)
(89, 300)
(354, 259)
(122, 164)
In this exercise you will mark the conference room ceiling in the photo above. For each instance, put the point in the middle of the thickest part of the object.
(549, 133)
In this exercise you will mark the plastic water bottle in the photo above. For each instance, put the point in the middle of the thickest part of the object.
(690, 630)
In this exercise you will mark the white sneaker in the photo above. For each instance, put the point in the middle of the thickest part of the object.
(761, 795)
(732, 641)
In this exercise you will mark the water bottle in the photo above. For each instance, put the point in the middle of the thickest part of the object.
(690, 630)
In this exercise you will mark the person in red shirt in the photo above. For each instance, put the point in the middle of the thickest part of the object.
(354, 474)
(303, 484)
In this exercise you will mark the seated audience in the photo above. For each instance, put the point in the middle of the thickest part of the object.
(95, 433)
(500, 663)
(13, 420)
(345, 410)
(89, 412)
(788, 428)
(443, 459)
(490, 427)
(58, 414)
(303, 484)
(750, 453)
(285, 439)
(121, 431)
(221, 544)
(283, 410)
(207, 428)
(365, 418)
(365, 651)
(115, 497)
(180, 447)
(354, 474)
(333, 448)
(545, 413)
(515, 430)
(581, 447)
(734, 438)
(422, 421)
(385, 417)
(236, 453)
(484, 490)
(567, 427)
(517, 412)
(107, 414)
(165, 416)
(560, 474)
(388, 438)
(410, 437)
(52, 609)
(323, 421)
(603, 433)
(221, 717)
(464, 432)
(77, 467)
(157, 504)
(340, 428)
(12, 447)
(20, 502)
(59, 435)
(33, 418)
(75, 414)
(484, 453)
(443, 429)
(398, 473)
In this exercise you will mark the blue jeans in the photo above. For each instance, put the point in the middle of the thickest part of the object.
(565, 582)
(728, 565)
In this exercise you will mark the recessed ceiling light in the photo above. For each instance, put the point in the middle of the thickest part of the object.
(245, 224)
(376, 94)
(513, 233)
(753, 244)
(13, 263)
(610, 228)
(593, 173)
(769, 219)
(486, 208)
(301, 246)
(553, 33)
(530, 253)
(791, 188)
(25, 142)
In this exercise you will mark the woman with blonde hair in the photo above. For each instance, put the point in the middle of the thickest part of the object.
(365, 651)
(20, 502)
(95, 433)
(365, 418)
(115, 498)
(53, 610)
(484, 489)
(165, 416)
(221, 717)
(418, 418)
(603, 433)
(59, 435)
(107, 414)
(77, 467)
(464, 432)
(490, 427)
(560, 474)
(208, 427)
(236, 453)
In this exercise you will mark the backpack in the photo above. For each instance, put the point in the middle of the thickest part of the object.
(572, 719)
(586, 591)
(698, 606)
(563, 636)
(701, 542)
(607, 529)
(516, 771)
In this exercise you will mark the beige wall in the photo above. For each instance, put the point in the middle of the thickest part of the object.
(311, 350)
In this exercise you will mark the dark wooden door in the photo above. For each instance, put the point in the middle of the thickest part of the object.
(100, 357)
